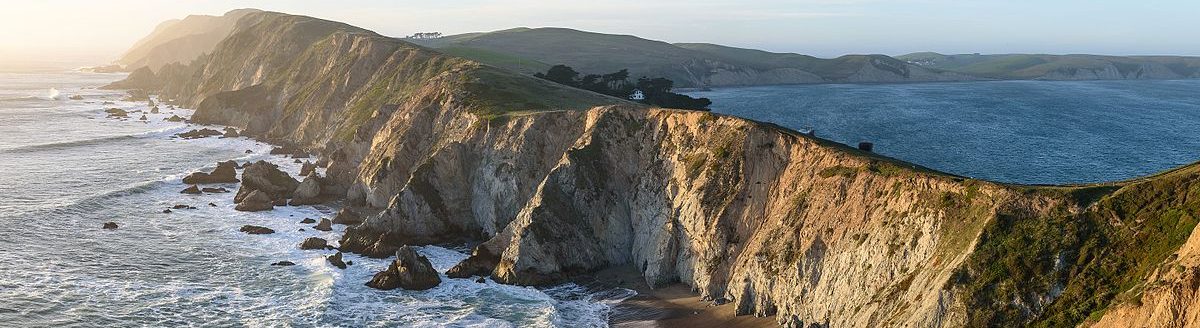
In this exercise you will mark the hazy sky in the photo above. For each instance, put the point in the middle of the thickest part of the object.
(98, 31)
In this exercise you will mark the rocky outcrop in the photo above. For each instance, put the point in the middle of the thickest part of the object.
(116, 113)
(226, 172)
(313, 243)
(409, 271)
(256, 201)
(308, 193)
(193, 190)
(110, 225)
(267, 178)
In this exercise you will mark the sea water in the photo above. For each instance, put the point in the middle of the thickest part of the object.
(65, 169)
(1036, 132)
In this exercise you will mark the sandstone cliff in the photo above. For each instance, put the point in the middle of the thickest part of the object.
(557, 182)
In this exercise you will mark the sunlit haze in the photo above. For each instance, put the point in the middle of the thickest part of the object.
(77, 31)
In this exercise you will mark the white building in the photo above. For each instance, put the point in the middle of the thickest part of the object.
(637, 95)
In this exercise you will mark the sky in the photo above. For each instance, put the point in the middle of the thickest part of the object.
(89, 31)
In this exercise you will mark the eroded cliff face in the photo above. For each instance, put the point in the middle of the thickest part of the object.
(557, 182)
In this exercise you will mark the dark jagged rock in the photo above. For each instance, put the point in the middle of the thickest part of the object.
(480, 263)
(166, 211)
(110, 225)
(226, 172)
(336, 260)
(257, 201)
(193, 190)
(249, 151)
(325, 225)
(313, 243)
(481, 280)
(309, 192)
(409, 271)
(230, 133)
(211, 204)
(143, 118)
(267, 178)
(221, 190)
(308, 221)
(297, 161)
(199, 133)
(154, 110)
(256, 230)
(181, 207)
(346, 216)
(283, 263)
(174, 118)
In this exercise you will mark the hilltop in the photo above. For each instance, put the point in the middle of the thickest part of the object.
(555, 183)
(690, 65)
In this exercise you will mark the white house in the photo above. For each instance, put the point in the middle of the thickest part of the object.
(637, 95)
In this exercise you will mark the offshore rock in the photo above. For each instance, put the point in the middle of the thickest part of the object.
(199, 133)
(313, 243)
(409, 271)
(256, 230)
(324, 225)
(336, 260)
(308, 193)
(192, 190)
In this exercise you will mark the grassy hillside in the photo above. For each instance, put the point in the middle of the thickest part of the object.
(689, 65)
(1031, 66)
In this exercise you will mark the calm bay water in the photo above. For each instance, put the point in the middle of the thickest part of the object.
(1012, 131)
(65, 169)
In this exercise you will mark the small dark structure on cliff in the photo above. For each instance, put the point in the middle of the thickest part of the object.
(866, 146)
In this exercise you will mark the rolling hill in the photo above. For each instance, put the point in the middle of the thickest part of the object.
(1061, 67)
(181, 41)
(689, 65)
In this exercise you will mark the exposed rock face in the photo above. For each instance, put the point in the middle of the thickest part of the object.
(347, 216)
(313, 243)
(174, 118)
(256, 230)
(193, 190)
(266, 177)
(308, 193)
(283, 263)
(256, 201)
(308, 221)
(308, 168)
(230, 133)
(409, 271)
(215, 190)
(110, 225)
(481, 263)
(777, 222)
(226, 172)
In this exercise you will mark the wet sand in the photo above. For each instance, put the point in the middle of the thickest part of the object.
(671, 306)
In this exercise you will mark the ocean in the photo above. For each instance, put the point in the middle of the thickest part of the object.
(66, 169)
(1030, 132)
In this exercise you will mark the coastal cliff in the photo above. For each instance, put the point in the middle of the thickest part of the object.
(554, 183)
